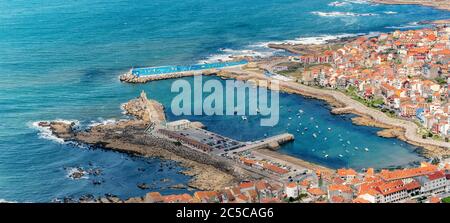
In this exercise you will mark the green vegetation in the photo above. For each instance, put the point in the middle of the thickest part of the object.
(441, 80)
(446, 200)
(352, 91)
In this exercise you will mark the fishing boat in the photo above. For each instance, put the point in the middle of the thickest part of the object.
(244, 117)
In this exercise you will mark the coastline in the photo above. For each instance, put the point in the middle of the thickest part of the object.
(343, 104)
(443, 5)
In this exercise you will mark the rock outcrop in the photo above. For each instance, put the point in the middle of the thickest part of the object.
(146, 110)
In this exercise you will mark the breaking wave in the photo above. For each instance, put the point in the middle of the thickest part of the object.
(342, 14)
(262, 50)
(45, 132)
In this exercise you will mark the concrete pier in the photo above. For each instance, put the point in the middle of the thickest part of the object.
(271, 142)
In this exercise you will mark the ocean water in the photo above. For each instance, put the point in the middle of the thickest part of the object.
(61, 60)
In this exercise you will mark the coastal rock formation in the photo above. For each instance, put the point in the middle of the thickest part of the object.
(439, 4)
(209, 172)
(144, 109)
(60, 129)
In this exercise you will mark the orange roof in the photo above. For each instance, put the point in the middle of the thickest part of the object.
(407, 173)
(434, 199)
(337, 199)
(275, 169)
(316, 191)
(208, 195)
(436, 175)
(291, 185)
(391, 187)
(248, 161)
(246, 185)
(360, 201)
(370, 172)
(305, 183)
(346, 172)
(339, 187)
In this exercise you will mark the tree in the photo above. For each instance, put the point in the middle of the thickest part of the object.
(435, 161)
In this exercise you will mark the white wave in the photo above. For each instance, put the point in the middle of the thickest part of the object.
(73, 170)
(261, 49)
(255, 50)
(102, 122)
(6, 201)
(342, 14)
(338, 4)
(411, 25)
(45, 132)
(390, 12)
(358, 1)
(314, 39)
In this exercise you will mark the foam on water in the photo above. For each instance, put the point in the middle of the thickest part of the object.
(45, 132)
(342, 14)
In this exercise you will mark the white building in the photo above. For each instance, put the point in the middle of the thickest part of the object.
(434, 183)
(292, 190)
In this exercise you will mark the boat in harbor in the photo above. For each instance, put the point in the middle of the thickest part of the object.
(366, 149)
(244, 117)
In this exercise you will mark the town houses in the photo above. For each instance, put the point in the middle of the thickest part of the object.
(407, 71)
(426, 183)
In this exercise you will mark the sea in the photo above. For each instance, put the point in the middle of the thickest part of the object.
(61, 60)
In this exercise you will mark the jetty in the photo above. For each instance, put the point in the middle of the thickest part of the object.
(146, 74)
(272, 142)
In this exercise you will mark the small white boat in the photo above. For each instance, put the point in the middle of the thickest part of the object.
(348, 142)
(329, 129)
(317, 126)
(303, 133)
(366, 149)
(244, 117)
(325, 138)
(356, 148)
(290, 118)
(314, 135)
(298, 130)
(257, 111)
(326, 156)
(347, 151)
(340, 155)
(300, 111)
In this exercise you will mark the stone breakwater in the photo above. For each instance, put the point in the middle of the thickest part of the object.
(129, 78)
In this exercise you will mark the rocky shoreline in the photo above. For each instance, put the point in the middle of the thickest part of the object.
(443, 5)
(208, 172)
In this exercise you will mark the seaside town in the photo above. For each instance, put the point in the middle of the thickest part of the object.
(404, 73)
(427, 183)
(400, 77)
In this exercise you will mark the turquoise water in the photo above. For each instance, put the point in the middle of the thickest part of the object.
(61, 60)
